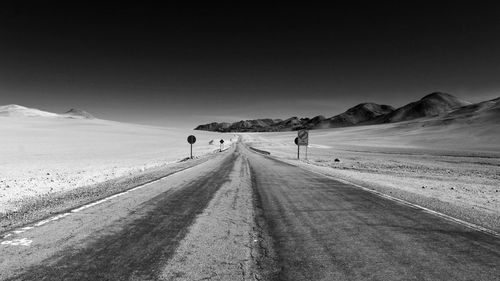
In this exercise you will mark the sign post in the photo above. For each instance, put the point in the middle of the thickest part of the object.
(302, 139)
(221, 145)
(298, 147)
(191, 139)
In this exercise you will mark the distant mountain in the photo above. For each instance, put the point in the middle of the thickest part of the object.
(78, 113)
(13, 110)
(258, 125)
(479, 113)
(355, 115)
(430, 106)
(214, 127)
(359, 114)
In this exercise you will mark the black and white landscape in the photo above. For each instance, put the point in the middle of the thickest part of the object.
(432, 105)
(399, 180)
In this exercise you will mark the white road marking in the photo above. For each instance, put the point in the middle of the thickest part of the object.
(318, 146)
(25, 242)
(18, 242)
(401, 201)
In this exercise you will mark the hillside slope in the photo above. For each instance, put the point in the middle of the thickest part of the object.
(430, 106)
(78, 113)
(358, 114)
(14, 110)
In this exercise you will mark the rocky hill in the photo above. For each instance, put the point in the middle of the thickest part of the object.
(432, 105)
(78, 113)
(361, 113)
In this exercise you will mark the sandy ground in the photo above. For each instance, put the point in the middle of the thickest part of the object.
(462, 180)
(40, 156)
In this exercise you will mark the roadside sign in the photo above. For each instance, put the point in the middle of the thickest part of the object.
(303, 137)
(296, 141)
(191, 139)
(221, 145)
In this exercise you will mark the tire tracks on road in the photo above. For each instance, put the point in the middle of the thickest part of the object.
(136, 250)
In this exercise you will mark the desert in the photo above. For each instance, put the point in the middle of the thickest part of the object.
(355, 141)
(45, 155)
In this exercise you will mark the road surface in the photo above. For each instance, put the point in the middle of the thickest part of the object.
(311, 228)
(324, 229)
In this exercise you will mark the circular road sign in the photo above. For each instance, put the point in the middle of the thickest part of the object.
(303, 137)
(296, 141)
(303, 134)
(221, 141)
(191, 139)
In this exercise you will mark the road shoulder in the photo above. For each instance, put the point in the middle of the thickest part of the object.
(38, 208)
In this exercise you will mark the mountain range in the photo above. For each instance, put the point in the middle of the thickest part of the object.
(431, 105)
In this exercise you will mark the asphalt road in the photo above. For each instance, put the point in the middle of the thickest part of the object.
(323, 229)
(311, 228)
(127, 238)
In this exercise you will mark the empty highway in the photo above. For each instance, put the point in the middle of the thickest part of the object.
(305, 227)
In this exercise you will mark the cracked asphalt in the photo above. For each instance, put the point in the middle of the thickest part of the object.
(127, 238)
(247, 216)
(323, 229)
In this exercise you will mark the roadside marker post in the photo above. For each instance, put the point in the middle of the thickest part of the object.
(302, 139)
(221, 145)
(191, 139)
(298, 147)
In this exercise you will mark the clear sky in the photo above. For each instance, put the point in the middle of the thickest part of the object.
(187, 65)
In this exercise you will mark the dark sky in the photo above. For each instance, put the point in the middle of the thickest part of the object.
(182, 65)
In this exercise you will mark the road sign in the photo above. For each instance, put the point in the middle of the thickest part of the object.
(221, 144)
(191, 139)
(296, 141)
(303, 137)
